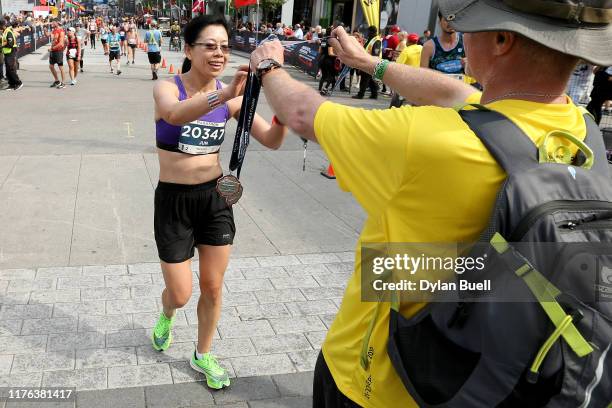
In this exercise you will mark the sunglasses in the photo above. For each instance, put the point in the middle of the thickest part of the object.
(211, 46)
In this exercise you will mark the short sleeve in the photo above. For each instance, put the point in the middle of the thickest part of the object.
(368, 150)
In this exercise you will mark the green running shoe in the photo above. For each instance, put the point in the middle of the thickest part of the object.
(216, 376)
(162, 333)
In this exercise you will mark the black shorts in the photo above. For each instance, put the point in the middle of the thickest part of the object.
(103, 41)
(325, 393)
(114, 55)
(56, 57)
(190, 215)
(154, 57)
(132, 46)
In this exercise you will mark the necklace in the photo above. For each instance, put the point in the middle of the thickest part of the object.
(512, 94)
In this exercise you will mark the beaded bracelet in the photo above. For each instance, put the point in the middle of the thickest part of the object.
(214, 99)
(380, 69)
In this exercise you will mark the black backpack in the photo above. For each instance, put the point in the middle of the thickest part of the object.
(546, 338)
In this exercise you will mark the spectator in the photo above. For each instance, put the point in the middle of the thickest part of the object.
(403, 36)
(327, 66)
(298, 34)
(581, 84)
(9, 51)
(411, 56)
(392, 41)
(426, 37)
(602, 91)
(373, 48)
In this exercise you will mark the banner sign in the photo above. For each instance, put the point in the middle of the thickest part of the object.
(371, 10)
(303, 55)
(31, 40)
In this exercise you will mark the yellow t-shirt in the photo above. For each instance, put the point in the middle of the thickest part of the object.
(411, 55)
(422, 176)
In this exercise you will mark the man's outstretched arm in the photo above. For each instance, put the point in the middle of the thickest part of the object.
(419, 86)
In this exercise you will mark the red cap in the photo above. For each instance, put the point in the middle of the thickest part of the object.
(413, 38)
(395, 29)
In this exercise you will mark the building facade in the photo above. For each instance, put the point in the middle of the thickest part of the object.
(15, 6)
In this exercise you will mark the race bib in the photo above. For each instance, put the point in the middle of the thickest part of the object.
(122, 33)
(72, 53)
(450, 67)
(201, 137)
(132, 41)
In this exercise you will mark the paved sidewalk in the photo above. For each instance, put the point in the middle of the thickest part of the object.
(89, 327)
(285, 390)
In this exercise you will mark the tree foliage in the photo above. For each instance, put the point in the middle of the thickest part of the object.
(267, 5)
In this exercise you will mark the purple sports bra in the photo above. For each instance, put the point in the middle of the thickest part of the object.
(202, 136)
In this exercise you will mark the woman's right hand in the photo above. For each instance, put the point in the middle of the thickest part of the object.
(236, 87)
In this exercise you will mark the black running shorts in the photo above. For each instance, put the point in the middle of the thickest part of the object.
(154, 57)
(190, 215)
(56, 57)
(114, 55)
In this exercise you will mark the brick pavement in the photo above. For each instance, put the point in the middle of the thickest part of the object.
(89, 327)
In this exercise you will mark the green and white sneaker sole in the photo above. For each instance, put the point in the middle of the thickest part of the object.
(165, 345)
(211, 381)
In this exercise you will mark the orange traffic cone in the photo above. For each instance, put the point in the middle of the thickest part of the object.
(178, 71)
(329, 173)
(164, 63)
(171, 70)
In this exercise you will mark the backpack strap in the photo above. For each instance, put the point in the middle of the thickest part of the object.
(594, 139)
(506, 142)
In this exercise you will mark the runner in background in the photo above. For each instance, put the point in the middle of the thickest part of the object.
(123, 29)
(114, 46)
(153, 39)
(56, 54)
(104, 31)
(445, 53)
(93, 31)
(73, 54)
(132, 42)
(83, 35)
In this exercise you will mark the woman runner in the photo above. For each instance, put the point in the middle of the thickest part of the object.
(132, 40)
(191, 111)
(73, 54)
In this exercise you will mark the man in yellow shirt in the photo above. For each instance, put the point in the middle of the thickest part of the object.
(411, 55)
(420, 173)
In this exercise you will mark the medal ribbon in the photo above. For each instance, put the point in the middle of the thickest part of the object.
(245, 121)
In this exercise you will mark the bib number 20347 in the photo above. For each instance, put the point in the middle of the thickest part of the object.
(201, 137)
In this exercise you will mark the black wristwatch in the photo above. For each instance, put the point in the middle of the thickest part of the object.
(266, 66)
